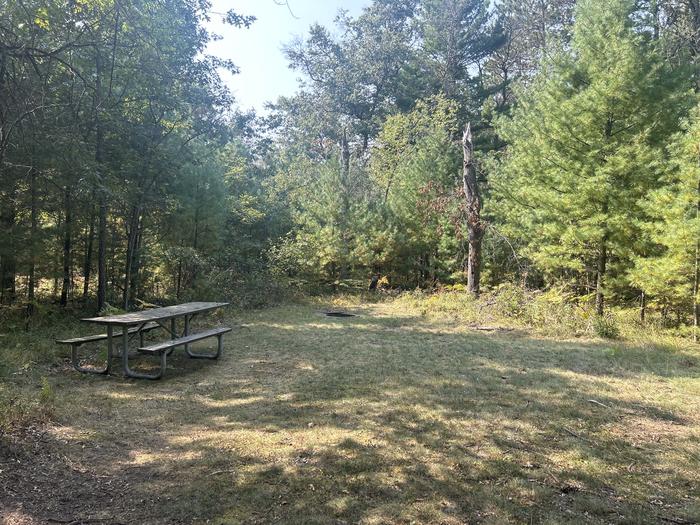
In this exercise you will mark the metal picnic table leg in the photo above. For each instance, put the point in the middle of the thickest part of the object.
(125, 360)
(173, 333)
(76, 362)
(187, 332)
(195, 355)
(125, 350)
(110, 348)
(216, 355)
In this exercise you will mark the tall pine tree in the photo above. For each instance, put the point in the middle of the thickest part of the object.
(582, 148)
(672, 278)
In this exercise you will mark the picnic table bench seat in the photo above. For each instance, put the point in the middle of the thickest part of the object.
(76, 342)
(186, 340)
(161, 349)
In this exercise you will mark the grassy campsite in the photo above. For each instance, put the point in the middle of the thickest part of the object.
(352, 262)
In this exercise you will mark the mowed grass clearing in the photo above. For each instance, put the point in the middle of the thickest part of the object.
(388, 417)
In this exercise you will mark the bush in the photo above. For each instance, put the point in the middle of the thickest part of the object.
(252, 289)
(554, 312)
(605, 326)
(108, 309)
(509, 300)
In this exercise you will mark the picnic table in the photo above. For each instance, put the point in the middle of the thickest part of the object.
(136, 324)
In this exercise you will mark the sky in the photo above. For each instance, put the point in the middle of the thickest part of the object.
(257, 51)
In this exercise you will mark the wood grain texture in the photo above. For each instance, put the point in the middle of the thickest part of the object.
(155, 314)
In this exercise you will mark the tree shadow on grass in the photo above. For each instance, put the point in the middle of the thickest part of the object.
(379, 421)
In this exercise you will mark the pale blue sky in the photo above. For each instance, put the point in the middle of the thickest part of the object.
(257, 51)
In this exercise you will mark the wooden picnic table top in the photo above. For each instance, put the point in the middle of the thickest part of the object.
(155, 314)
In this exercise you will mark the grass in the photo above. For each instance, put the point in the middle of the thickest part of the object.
(400, 415)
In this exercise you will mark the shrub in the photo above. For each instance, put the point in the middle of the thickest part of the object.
(606, 326)
(509, 300)
(46, 395)
(250, 289)
(554, 312)
(108, 309)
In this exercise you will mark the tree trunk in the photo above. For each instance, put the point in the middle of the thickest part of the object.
(102, 253)
(345, 205)
(132, 241)
(31, 285)
(67, 263)
(8, 260)
(195, 234)
(102, 190)
(475, 226)
(602, 263)
(56, 262)
(87, 267)
(114, 267)
(178, 284)
(600, 277)
(136, 265)
(696, 277)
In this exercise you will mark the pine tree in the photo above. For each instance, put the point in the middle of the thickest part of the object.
(672, 277)
(583, 145)
(415, 169)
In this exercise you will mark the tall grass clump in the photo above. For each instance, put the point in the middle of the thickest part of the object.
(553, 312)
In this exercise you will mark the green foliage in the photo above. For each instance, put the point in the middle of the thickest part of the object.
(20, 411)
(113, 104)
(605, 326)
(121, 149)
(319, 245)
(668, 273)
(20, 408)
(46, 395)
(108, 309)
(455, 35)
(585, 146)
(555, 312)
(415, 168)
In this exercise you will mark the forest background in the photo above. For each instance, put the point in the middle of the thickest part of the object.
(130, 178)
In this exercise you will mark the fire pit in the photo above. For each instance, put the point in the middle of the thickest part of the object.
(338, 314)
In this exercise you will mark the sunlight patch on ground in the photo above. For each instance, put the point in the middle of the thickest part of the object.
(394, 418)
(138, 396)
(140, 457)
(223, 403)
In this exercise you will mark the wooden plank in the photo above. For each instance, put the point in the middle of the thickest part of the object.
(165, 345)
(100, 337)
(156, 314)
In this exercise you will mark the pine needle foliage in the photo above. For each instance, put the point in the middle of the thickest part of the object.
(585, 148)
